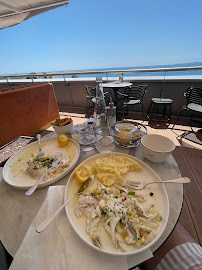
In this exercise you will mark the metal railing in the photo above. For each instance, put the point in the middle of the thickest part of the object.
(90, 72)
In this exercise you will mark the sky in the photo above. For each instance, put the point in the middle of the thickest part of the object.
(92, 34)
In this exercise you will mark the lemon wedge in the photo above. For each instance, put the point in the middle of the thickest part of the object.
(82, 174)
(62, 140)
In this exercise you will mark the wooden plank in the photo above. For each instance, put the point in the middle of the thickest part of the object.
(195, 216)
(199, 152)
(186, 220)
(195, 161)
(192, 190)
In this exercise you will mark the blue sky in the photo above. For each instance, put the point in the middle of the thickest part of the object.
(102, 34)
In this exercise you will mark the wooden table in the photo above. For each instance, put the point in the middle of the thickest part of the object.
(115, 86)
(18, 211)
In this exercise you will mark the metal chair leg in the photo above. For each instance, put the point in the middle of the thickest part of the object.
(164, 110)
(177, 119)
(87, 106)
(124, 106)
(191, 121)
(153, 111)
(170, 113)
(149, 109)
(142, 112)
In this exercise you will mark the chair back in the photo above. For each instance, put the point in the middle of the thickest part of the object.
(91, 91)
(194, 95)
(136, 92)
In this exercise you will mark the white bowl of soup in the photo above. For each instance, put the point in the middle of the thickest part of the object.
(157, 148)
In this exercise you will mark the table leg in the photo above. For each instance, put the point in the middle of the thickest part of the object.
(118, 115)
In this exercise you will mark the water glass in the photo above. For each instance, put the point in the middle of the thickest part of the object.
(85, 134)
(104, 140)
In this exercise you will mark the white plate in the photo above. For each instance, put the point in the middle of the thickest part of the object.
(147, 174)
(21, 180)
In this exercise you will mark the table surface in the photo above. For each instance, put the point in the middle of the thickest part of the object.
(116, 84)
(18, 211)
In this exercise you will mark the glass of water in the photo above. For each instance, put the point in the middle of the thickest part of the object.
(85, 134)
(104, 140)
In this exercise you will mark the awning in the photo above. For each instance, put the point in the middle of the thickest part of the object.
(13, 12)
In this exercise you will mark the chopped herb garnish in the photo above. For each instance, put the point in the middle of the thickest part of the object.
(121, 190)
(129, 213)
(132, 193)
(116, 197)
(105, 191)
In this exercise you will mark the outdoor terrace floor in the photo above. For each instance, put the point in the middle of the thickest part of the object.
(188, 156)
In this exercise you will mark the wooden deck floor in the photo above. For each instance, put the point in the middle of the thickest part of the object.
(188, 156)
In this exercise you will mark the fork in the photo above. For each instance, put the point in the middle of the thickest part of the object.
(139, 185)
(40, 153)
(54, 164)
(41, 227)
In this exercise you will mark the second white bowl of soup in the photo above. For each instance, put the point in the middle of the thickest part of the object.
(157, 148)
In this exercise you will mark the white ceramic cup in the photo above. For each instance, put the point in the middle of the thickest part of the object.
(157, 148)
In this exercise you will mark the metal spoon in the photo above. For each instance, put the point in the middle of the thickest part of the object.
(41, 227)
(40, 153)
(54, 164)
(139, 185)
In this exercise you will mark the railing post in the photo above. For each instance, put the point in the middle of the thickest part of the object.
(163, 84)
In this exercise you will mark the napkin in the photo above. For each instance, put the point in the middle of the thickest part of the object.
(59, 247)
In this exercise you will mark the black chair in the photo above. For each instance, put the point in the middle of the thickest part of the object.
(154, 106)
(91, 99)
(132, 96)
(194, 103)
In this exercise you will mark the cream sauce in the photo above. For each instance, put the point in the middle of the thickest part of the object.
(80, 222)
(17, 172)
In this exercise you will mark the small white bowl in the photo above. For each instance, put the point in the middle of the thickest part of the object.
(157, 148)
(64, 129)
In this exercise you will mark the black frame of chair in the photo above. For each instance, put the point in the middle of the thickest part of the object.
(137, 92)
(91, 93)
(156, 104)
(193, 96)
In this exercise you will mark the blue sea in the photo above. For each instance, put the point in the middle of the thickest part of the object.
(174, 73)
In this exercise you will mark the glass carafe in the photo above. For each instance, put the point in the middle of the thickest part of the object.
(100, 106)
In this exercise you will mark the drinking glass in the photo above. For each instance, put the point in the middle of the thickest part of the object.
(85, 134)
(104, 140)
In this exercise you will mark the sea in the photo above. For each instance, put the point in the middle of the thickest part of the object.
(172, 73)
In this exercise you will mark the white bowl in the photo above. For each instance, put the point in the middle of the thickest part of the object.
(64, 129)
(157, 148)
